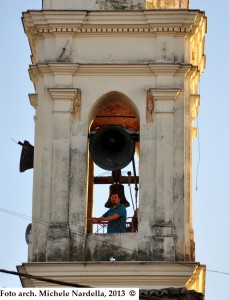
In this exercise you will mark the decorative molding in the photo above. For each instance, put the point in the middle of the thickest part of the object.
(76, 107)
(67, 94)
(194, 133)
(62, 93)
(198, 279)
(114, 69)
(63, 69)
(118, 29)
(197, 43)
(194, 110)
(163, 99)
(194, 105)
(133, 69)
(42, 23)
(149, 106)
(33, 98)
(70, 20)
(165, 94)
(146, 275)
(170, 69)
(38, 70)
(164, 68)
(108, 69)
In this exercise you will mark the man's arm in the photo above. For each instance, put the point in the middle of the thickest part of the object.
(103, 218)
(110, 218)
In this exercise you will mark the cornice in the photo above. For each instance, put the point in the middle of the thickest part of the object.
(198, 279)
(184, 18)
(93, 273)
(171, 69)
(194, 105)
(199, 24)
(44, 18)
(63, 69)
(116, 69)
(134, 69)
(38, 24)
(33, 98)
(71, 95)
(165, 94)
(197, 42)
(63, 93)
(160, 16)
(101, 22)
(38, 70)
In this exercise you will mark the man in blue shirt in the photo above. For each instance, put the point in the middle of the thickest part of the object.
(116, 216)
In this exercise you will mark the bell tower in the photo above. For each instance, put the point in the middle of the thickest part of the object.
(127, 73)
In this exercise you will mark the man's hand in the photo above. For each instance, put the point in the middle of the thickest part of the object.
(94, 220)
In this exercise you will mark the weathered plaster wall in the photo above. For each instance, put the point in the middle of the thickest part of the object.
(115, 4)
(94, 4)
(139, 49)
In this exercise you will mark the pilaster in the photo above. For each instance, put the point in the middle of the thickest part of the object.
(160, 231)
(58, 234)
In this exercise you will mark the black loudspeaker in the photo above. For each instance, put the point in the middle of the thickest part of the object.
(112, 148)
(27, 153)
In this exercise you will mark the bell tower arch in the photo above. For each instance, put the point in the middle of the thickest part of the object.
(136, 67)
(112, 112)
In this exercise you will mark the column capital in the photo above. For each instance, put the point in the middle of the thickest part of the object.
(72, 95)
(63, 93)
(165, 94)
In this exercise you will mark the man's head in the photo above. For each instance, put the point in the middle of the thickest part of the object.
(115, 200)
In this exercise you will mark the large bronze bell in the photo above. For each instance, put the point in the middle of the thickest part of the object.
(117, 188)
(112, 148)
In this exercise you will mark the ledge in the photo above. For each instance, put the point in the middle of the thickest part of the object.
(146, 275)
(33, 98)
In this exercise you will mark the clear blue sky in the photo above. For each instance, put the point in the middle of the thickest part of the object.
(210, 201)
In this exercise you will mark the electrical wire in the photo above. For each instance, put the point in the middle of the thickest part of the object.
(95, 238)
(39, 278)
(219, 272)
(69, 284)
(22, 216)
(207, 270)
(72, 232)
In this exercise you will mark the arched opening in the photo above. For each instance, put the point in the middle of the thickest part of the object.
(113, 110)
